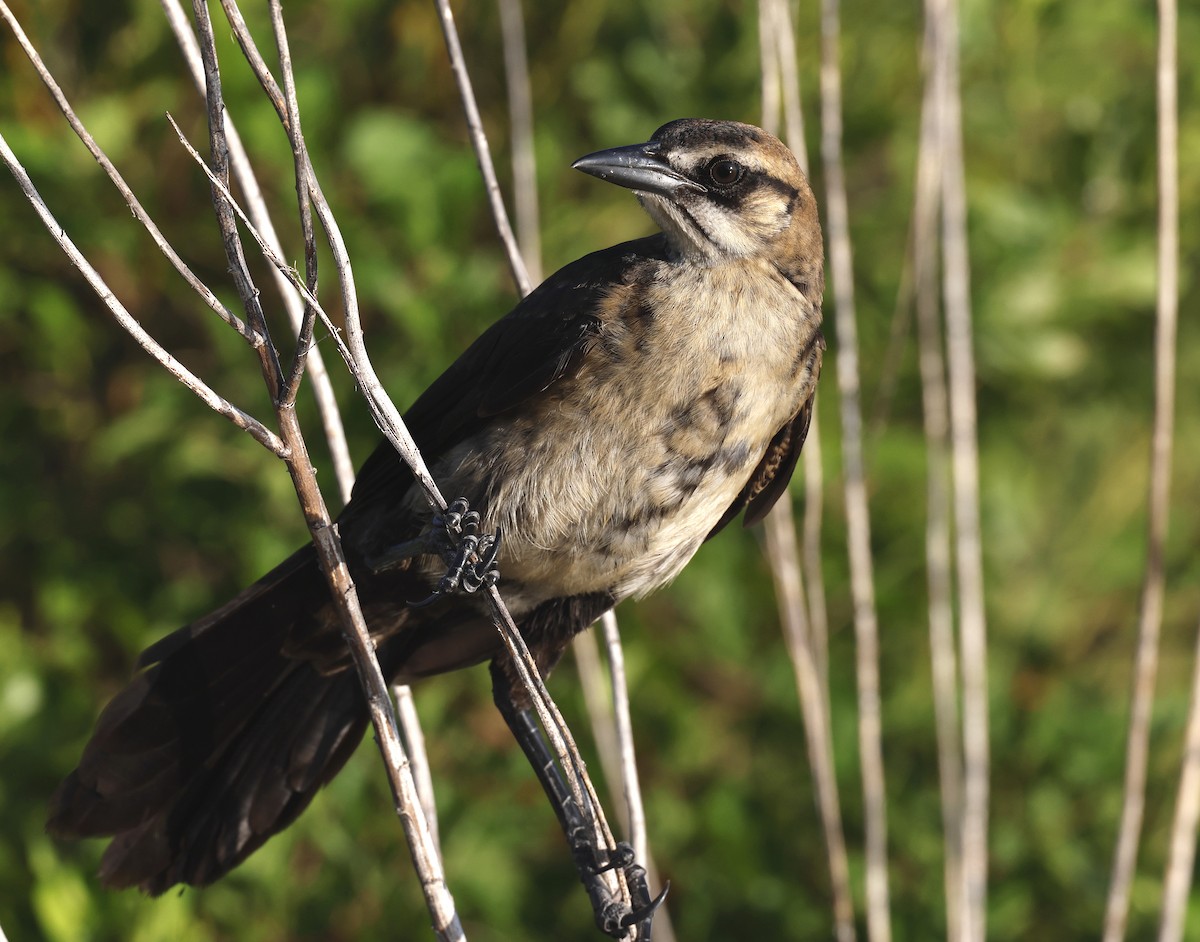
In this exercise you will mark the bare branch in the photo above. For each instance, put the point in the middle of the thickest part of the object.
(812, 562)
(414, 740)
(783, 556)
(857, 512)
(219, 157)
(243, 420)
(483, 153)
(1178, 879)
(629, 771)
(1183, 840)
(390, 423)
(382, 409)
(612, 738)
(327, 406)
(943, 658)
(814, 480)
(965, 467)
(614, 744)
(258, 65)
(597, 700)
(1150, 610)
(778, 54)
(524, 160)
(789, 73)
(118, 181)
(768, 63)
(549, 716)
(329, 549)
(408, 800)
(303, 206)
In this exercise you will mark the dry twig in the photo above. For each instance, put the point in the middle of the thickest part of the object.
(1177, 883)
(1150, 610)
(524, 162)
(925, 231)
(483, 153)
(857, 512)
(315, 369)
(968, 547)
(778, 56)
(243, 420)
(289, 444)
(425, 858)
(789, 593)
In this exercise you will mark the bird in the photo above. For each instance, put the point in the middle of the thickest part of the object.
(616, 418)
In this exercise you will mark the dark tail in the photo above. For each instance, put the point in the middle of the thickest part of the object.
(219, 743)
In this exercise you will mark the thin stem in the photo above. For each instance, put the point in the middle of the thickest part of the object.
(620, 699)
(597, 701)
(944, 664)
(778, 54)
(524, 161)
(857, 512)
(783, 556)
(405, 794)
(243, 420)
(549, 716)
(614, 744)
(1151, 607)
(414, 740)
(1178, 878)
(768, 63)
(789, 73)
(561, 740)
(303, 206)
(1177, 883)
(968, 550)
(318, 374)
(324, 534)
(483, 153)
(812, 563)
(118, 181)
(226, 223)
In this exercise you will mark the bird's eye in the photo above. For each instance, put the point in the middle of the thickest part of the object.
(725, 172)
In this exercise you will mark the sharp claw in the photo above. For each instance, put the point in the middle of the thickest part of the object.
(493, 550)
(470, 557)
(645, 913)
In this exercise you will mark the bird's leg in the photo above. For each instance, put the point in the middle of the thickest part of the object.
(454, 535)
(613, 915)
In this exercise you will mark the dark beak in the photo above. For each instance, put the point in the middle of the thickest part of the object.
(636, 166)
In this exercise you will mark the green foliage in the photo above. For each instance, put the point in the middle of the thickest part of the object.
(126, 508)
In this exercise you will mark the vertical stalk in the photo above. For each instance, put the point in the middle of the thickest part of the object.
(858, 522)
(1151, 606)
(934, 396)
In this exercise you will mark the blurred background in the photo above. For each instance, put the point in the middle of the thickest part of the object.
(128, 509)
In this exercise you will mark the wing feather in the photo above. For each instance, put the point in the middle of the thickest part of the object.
(543, 339)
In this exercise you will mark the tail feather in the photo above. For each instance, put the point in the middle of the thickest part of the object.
(221, 742)
(258, 785)
(237, 720)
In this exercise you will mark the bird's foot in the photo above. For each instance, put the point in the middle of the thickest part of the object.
(615, 917)
(470, 556)
(617, 912)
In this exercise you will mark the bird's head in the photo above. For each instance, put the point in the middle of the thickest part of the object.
(719, 190)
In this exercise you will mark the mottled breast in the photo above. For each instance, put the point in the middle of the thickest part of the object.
(612, 479)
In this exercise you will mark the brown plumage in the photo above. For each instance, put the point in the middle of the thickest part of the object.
(619, 416)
